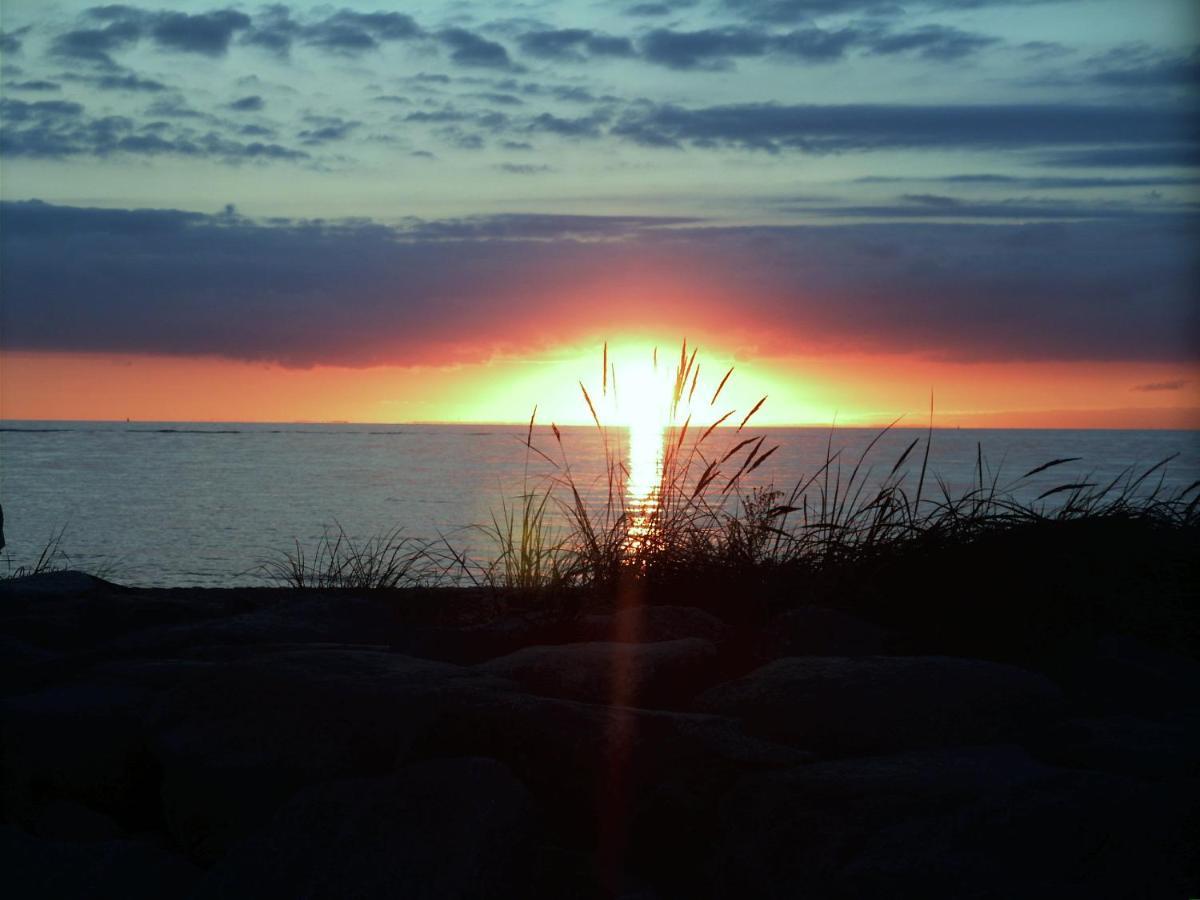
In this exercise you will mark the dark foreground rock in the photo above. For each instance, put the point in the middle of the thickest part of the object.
(460, 828)
(655, 675)
(879, 703)
(255, 744)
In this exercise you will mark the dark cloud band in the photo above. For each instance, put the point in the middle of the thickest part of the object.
(361, 293)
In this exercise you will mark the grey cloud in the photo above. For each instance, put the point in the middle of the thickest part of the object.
(469, 49)
(205, 33)
(580, 127)
(716, 47)
(326, 129)
(61, 129)
(126, 82)
(95, 45)
(696, 49)
(816, 45)
(11, 41)
(360, 293)
(828, 129)
(1144, 68)
(351, 31)
(1039, 182)
(783, 11)
(1164, 156)
(934, 42)
(252, 103)
(37, 86)
(523, 169)
(940, 206)
(574, 44)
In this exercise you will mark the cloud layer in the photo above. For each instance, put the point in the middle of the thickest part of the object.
(361, 293)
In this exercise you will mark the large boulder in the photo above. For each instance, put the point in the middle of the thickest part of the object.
(844, 705)
(1070, 834)
(69, 870)
(652, 676)
(642, 623)
(590, 765)
(983, 822)
(1122, 674)
(1156, 749)
(817, 631)
(240, 736)
(461, 828)
(83, 742)
(789, 833)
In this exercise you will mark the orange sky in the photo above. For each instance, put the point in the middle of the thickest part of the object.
(858, 389)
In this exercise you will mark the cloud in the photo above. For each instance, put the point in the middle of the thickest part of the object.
(126, 82)
(362, 293)
(941, 206)
(208, 34)
(696, 49)
(59, 129)
(469, 49)
(573, 44)
(784, 11)
(659, 8)
(523, 169)
(348, 31)
(252, 103)
(37, 86)
(932, 42)
(829, 129)
(1176, 384)
(1040, 182)
(96, 45)
(326, 129)
(1167, 155)
(1139, 66)
(579, 127)
(12, 41)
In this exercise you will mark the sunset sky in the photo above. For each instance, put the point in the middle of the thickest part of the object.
(344, 212)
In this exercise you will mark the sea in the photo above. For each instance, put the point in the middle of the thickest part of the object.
(181, 504)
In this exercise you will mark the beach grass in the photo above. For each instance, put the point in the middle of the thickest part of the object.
(712, 529)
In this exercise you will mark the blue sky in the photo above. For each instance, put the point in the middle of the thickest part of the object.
(958, 178)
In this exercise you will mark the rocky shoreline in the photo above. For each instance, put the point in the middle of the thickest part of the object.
(267, 743)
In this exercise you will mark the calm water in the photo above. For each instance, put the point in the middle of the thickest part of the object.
(167, 504)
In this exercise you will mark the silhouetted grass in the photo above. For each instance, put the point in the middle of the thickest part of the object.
(705, 523)
(52, 558)
(711, 532)
(337, 561)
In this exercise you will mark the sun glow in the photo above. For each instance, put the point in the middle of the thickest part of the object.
(640, 403)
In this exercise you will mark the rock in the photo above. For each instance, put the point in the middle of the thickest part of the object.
(17, 656)
(64, 820)
(131, 870)
(82, 742)
(476, 643)
(1154, 749)
(788, 833)
(1127, 675)
(587, 764)
(815, 631)
(650, 624)
(315, 618)
(45, 584)
(460, 828)
(650, 676)
(842, 705)
(470, 644)
(238, 738)
(1070, 834)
